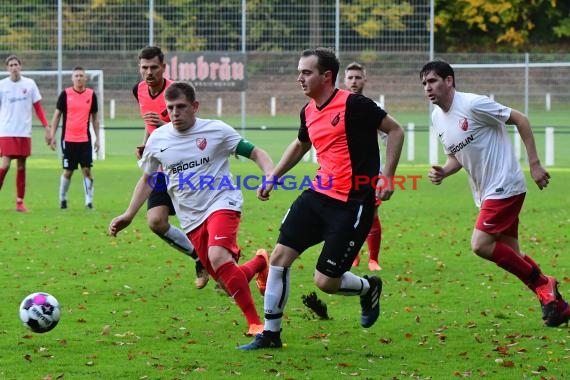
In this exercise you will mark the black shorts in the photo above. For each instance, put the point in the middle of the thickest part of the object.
(343, 226)
(76, 153)
(159, 196)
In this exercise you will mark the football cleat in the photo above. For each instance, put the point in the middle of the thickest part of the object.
(547, 293)
(267, 339)
(20, 207)
(202, 276)
(373, 266)
(370, 302)
(63, 204)
(253, 330)
(559, 315)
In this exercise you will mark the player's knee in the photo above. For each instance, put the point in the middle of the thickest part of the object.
(481, 249)
(326, 284)
(157, 225)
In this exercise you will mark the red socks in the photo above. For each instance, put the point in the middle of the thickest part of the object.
(525, 269)
(373, 239)
(2, 176)
(235, 281)
(20, 183)
(253, 266)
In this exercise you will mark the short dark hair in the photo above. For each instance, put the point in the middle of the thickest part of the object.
(440, 67)
(12, 57)
(77, 68)
(177, 89)
(326, 60)
(149, 52)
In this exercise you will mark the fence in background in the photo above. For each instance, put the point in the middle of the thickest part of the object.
(106, 36)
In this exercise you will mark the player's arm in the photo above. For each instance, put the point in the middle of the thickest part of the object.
(42, 117)
(96, 130)
(394, 143)
(140, 149)
(54, 124)
(540, 176)
(292, 155)
(257, 155)
(140, 195)
(438, 173)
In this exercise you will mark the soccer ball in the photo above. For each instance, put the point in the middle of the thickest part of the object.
(40, 312)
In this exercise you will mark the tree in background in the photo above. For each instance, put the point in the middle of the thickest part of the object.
(501, 25)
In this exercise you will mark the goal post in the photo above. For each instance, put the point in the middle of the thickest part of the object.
(47, 82)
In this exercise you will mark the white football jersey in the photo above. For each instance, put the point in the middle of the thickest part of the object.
(16, 104)
(197, 165)
(474, 131)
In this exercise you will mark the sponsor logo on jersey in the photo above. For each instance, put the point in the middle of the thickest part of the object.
(182, 166)
(457, 147)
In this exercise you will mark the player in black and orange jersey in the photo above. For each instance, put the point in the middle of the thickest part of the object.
(77, 104)
(150, 96)
(338, 210)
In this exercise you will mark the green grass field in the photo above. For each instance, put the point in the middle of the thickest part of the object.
(130, 309)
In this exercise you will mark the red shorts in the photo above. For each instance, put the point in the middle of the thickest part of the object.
(500, 216)
(16, 146)
(219, 229)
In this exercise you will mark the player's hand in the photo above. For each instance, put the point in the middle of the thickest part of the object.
(119, 223)
(47, 135)
(436, 175)
(384, 191)
(96, 146)
(153, 119)
(265, 188)
(52, 143)
(139, 151)
(540, 176)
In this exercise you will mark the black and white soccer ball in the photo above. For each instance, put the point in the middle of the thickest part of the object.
(40, 312)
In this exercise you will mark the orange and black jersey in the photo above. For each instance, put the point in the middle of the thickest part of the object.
(76, 107)
(344, 133)
(149, 103)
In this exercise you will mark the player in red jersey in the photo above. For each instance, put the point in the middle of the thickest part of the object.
(343, 128)
(150, 96)
(18, 95)
(76, 104)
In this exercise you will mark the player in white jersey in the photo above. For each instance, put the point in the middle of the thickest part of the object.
(473, 133)
(18, 95)
(194, 155)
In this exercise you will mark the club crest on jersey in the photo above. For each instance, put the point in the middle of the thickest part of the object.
(335, 120)
(201, 143)
(464, 124)
(24, 91)
(164, 113)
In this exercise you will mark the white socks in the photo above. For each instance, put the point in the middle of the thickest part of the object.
(352, 285)
(88, 187)
(178, 239)
(63, 187)
(276, 296)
